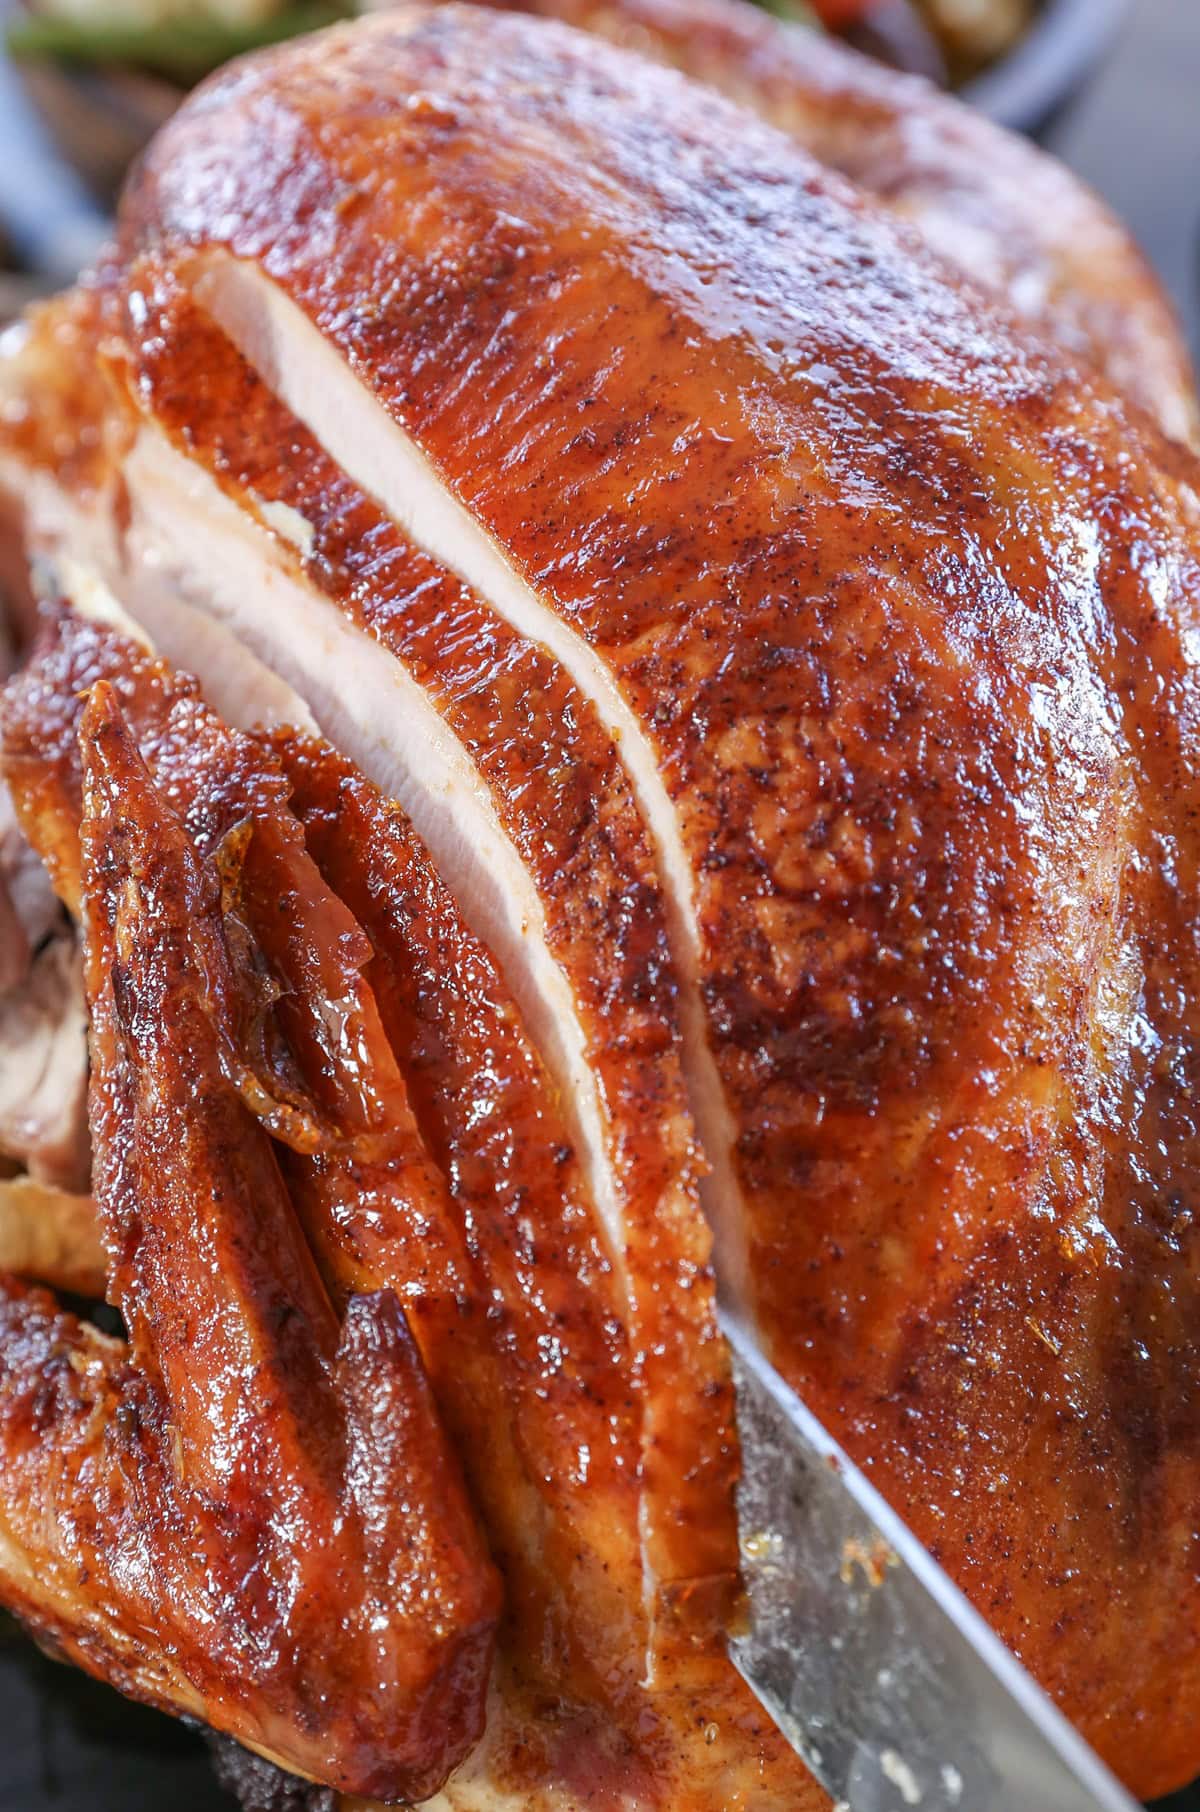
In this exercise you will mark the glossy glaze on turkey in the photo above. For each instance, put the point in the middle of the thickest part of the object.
(692, 727)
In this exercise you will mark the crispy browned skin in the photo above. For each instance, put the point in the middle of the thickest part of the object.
(1011, 218)
(903, 608)
(249, 1515)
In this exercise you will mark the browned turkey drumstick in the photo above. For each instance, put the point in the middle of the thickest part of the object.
(704, 692)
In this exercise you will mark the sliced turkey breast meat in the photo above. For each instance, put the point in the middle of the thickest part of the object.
(537, 832)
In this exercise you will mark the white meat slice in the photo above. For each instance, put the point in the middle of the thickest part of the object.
(306, 372)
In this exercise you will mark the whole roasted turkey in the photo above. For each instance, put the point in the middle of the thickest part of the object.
(608, 678)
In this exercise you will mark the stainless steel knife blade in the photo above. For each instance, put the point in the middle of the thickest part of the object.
(873, 1664)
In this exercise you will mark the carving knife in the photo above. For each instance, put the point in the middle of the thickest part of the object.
(881, 1675)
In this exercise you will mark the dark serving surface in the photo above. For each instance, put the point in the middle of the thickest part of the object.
(70, 1745)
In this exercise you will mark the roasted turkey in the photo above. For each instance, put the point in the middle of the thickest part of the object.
(608, 694)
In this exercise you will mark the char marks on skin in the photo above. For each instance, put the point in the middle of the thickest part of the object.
(902, 606)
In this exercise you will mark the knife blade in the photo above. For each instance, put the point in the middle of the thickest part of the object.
(869, 1659)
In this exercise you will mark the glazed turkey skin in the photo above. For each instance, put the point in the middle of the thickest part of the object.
(1000, 209)
(886, 612)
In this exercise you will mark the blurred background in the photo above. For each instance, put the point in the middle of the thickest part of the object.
(1134, 134)
(1113, 86)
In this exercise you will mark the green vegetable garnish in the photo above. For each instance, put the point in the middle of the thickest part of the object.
(182, 50)
(798, 12)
